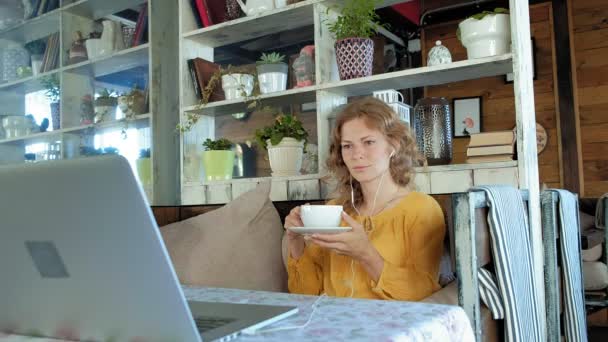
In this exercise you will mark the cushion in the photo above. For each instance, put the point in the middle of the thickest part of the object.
(595, 275)
(592, 254)
(449, 296)
(586, 221)
(235, 246)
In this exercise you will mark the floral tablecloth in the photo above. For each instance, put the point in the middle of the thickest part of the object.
(341, 319)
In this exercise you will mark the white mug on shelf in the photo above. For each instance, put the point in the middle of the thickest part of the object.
(388, 95)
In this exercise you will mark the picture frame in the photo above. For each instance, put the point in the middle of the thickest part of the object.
(467, 116)
(510, 77)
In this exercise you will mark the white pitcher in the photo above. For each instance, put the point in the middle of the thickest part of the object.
(111, 37)
(254, 7)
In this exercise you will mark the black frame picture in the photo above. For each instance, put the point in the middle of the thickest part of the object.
(463, 108)
(509, 77)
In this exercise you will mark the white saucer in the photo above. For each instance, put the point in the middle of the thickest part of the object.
(319, 230)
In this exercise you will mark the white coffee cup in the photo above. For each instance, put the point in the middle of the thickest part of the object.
(315, 216)
(388, 95)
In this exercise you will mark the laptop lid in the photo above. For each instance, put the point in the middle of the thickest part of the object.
(82, 257)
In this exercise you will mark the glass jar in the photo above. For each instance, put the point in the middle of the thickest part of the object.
(433, 129)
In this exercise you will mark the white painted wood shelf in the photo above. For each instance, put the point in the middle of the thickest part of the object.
(99, 8)
(138, 122)
(440, 179)
(32, 29)
(112, 63)
(411, 78)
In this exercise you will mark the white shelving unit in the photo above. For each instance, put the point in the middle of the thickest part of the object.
(327, 93)
(115, 70)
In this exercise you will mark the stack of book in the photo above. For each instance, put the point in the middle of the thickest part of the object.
(50, 60)
(208, 12)
(35, 8)
(201, 72)
(491, 147)
(140, 35)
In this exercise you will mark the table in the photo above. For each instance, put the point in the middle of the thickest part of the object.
(340, 319)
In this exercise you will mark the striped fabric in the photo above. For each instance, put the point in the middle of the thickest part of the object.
(570, 254)
(489, 293)
(512, 252)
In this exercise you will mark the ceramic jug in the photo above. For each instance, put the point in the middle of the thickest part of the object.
(254, 7)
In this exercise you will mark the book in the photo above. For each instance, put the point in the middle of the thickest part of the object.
(202, 12)
(490, 150)
(204, 71)
(492, 138)
(197, 88)
(490, 159)
(216, 10)
(197, 18)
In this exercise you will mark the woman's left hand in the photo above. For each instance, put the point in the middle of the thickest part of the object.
(354, 243)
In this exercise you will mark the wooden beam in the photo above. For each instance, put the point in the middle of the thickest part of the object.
(525, 117)
(568, 121)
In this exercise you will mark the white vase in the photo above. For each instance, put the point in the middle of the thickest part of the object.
(94, 47)
(490, 36)
(272, 77)
(36, 64)
(286, 157)
(237, 86)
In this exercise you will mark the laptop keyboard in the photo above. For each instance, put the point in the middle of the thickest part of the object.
(206, 323)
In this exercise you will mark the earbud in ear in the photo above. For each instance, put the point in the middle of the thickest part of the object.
(392, 154)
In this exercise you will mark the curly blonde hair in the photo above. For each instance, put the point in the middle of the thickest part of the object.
(377, 115)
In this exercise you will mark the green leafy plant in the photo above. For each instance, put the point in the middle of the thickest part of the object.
(253, 102)
(105, 93)
(221, 144)
(271, 58)
(51, 84)
(284, 126)
(357, 19)
(481, 15)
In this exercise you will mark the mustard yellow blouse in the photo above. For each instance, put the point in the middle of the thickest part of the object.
(408, 236)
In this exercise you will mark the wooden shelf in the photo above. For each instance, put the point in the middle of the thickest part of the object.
(27, 84)
(418, 77)
(47, 136)
(283, 19)
(440, 179)
(96, 9)
(35, 28)
(423, 76)
(297, 95)
(119, 61)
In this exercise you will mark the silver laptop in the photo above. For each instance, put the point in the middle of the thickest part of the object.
(82, 258)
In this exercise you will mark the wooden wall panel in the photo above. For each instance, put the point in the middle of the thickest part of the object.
(590, 30)
(498, 107)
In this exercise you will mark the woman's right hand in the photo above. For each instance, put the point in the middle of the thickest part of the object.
(295, 241)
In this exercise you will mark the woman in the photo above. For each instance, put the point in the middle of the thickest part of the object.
(395, 245)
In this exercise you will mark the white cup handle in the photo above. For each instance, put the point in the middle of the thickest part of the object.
(399, 97)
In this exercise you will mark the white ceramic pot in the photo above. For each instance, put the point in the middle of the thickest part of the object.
(490, 36)
(94, 47)
(286, 157)
(272, 77)
(237, 86)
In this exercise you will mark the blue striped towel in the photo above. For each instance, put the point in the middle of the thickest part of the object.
(570, 254)
(513, 258)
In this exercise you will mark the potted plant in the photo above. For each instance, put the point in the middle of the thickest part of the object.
(133, 102)
(218, 159)
(285, 141)
(237, 82)
(105, 105)
(486, 34)
(144, 167)
(272, 73)
(36, 49)
(53, 93)
(353, 29)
